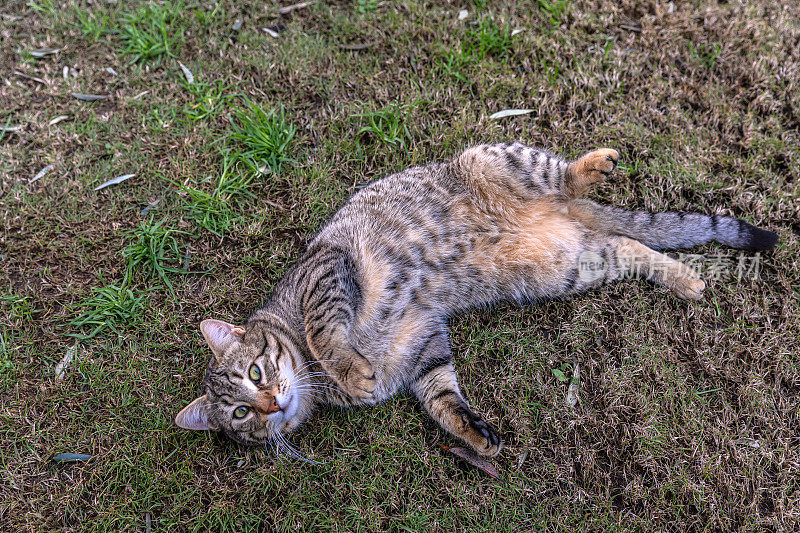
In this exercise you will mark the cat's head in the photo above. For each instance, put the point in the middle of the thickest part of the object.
(252, 388)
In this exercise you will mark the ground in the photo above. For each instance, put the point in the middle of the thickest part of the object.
(687, 417)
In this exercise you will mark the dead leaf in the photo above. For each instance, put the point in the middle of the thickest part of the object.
(39, 175)
(270, 32)
(356, 46)
(58, 119)
(89, 97)
(510, 113)
(62, 365)
(114, 181)
(187, 73)
(474, 459)
(289, 9)
(572, 392)
(463, 14)
(44, 52)
(150, 206)
(32, 78)
(71, 457)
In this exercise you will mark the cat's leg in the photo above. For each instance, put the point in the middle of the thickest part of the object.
(436, 387)
(328, 303)
(624, 257)
(589, 169)
(501, 176)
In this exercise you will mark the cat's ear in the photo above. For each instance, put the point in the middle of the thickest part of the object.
(220, 335)
(195, 416)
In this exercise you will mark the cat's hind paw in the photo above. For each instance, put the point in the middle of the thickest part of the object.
(482, 437)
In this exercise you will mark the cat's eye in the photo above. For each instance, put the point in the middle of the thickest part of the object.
(240, 411)
(255, 373)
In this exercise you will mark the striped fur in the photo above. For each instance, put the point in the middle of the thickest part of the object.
(364, 312)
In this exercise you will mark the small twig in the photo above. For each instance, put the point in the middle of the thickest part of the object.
(356, 47)
(631, 27)
(37, 80)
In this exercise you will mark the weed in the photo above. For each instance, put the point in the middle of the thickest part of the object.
(91, 23)
(706, 54)
(206, 18)
(45, 7)
(488, 39)
(149, 32)
(17, 309)
(108, 308)
(562, 371)
(454, 63)
(265, 137)
(214, 210)
(152, 249)
(6, 364)
(551, 69)
(388, 125)
(209, 99)
(366, 6)
(555, 10)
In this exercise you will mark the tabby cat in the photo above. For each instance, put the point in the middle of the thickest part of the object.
(364, 312)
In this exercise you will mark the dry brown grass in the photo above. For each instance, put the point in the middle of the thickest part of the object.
(688, 414)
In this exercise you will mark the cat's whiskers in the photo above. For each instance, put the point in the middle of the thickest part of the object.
(309, 363)
(284, 446)
(315, 387)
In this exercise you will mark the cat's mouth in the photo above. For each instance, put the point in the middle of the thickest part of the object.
(288, 408)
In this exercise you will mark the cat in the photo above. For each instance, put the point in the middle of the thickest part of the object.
(364, 312)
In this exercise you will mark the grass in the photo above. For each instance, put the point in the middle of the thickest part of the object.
(109, 308)
(490, 38)
(265, 137)
(151, 32)
(555, 10)
(388, 126)
(154, 251)
(210, 99)
(240, 169)
(93, 24)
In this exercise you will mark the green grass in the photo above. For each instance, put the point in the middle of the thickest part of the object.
(555, 10)
(706, 54)
(93, 24)
(151, 31)
(7, 367)
(490, 38)
(387, 126)
(108, 309)
(153, 251)
(265, 138)
(210, 98)
(243, 166)
(211, 202)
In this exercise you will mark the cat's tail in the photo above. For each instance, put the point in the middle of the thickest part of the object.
(673, 230)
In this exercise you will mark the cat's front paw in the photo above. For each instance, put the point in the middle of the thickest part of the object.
(360, 381)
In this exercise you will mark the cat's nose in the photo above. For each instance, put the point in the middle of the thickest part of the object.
(268, 404)
(273, 406)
